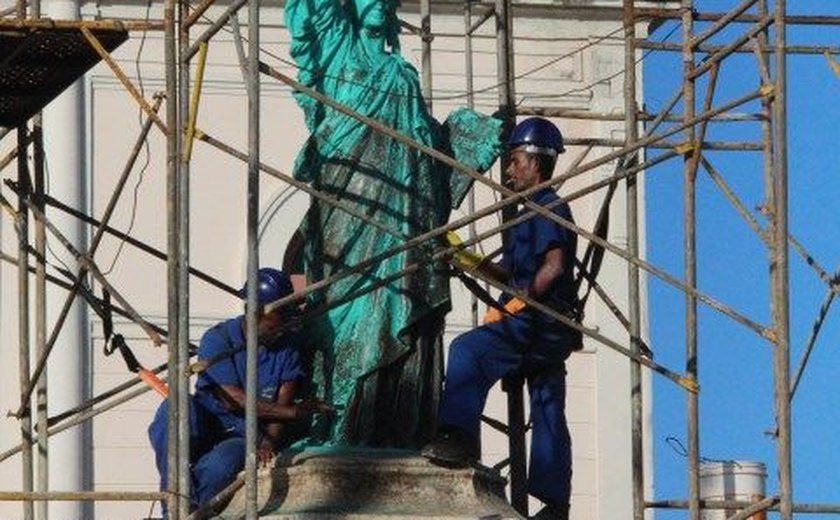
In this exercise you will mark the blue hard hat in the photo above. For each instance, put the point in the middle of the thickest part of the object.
(272, 284)
(538, 135)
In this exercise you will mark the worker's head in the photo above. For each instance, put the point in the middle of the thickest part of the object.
(534, 146)
(272, 285)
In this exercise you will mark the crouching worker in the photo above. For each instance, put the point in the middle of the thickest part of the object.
(216, 414)
(538, 260)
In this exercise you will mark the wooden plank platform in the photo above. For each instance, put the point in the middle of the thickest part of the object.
(37, 64)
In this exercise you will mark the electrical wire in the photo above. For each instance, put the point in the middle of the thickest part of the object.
(57, 258)
(147, 155)
(679, 448)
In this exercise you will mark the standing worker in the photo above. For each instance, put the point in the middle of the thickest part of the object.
(217, 417)
(538, 260)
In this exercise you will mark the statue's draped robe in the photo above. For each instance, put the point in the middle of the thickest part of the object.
(377, 356)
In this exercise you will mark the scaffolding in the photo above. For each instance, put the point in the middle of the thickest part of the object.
(759, 28)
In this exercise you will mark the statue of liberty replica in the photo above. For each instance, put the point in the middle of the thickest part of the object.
(377, 352)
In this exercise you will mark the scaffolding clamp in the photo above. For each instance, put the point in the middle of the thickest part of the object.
(767, 90)
(690, 384)
(685, 147)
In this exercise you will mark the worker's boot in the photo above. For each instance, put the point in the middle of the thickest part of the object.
(553, 512)
(452, 448)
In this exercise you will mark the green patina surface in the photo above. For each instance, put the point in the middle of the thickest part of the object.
(377, 356)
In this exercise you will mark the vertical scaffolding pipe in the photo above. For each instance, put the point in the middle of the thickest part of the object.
(173, 161)
(253, 78)
(513, 386)
(426, 38)
(779, 269)
(23, 314)
(42, 484)
(183, 336)
(634, 307)
(468, 73)
(767, 111)
(690, 259)
(504, 78)
(42, 446)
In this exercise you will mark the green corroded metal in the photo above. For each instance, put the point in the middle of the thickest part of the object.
(377, 356)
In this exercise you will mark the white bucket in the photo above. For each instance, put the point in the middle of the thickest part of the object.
(731, 480)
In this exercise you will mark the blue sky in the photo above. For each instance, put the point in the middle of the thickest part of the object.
(735, 364)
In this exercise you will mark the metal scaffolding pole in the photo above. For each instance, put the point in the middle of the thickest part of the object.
(779, 268)
(468, 77)
(690, 257)
(183, 260)
(173, 163)
(42, 444)
(513, 386)
(252, 240)
(23, 315)
(40, 315)
(634, 309)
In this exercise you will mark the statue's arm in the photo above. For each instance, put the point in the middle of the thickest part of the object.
(474, 140)
(318, 28)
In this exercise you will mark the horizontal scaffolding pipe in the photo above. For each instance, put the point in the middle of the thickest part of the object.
(566, 113)
(108, 496)
(675, 14)
(730, 146)
(113, 25)
(741, 504)
(745, 48)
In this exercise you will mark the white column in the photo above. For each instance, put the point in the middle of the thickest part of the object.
(68, 367)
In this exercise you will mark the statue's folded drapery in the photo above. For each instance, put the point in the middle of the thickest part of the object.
(377, 355)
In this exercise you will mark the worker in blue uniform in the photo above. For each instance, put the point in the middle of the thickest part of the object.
(216, 412)
(538, 259)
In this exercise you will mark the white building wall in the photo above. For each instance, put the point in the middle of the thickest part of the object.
(598, 401)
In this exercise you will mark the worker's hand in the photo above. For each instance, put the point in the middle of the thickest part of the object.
(311, 406)
(463, 258)
(265, 452)
(513, 306)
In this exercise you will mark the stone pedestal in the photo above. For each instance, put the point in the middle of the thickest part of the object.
(373, 485)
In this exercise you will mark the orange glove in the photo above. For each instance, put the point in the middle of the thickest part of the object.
(149, 377)
(513, 306)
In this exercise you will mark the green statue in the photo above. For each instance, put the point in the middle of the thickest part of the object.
(377, 356)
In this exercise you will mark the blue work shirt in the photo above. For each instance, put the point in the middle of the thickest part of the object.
(526, 244)
(277, 363)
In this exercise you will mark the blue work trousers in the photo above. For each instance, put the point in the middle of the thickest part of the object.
(480, 357)
(216, 456)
